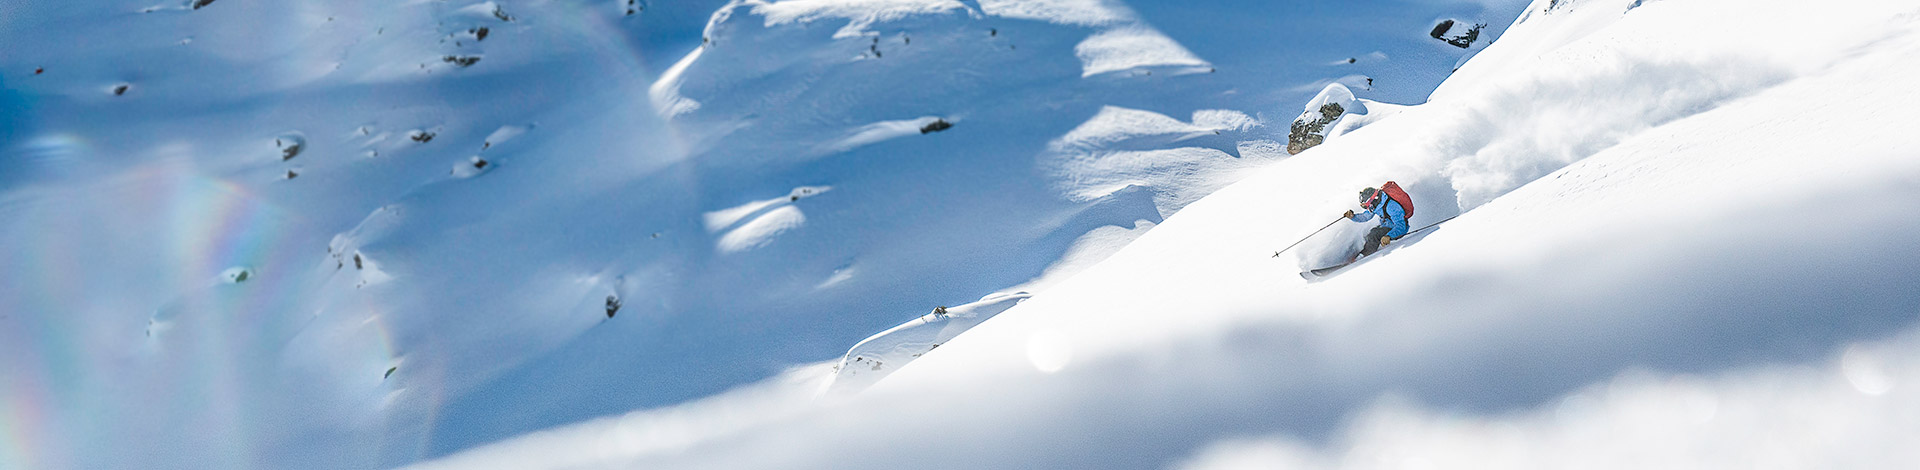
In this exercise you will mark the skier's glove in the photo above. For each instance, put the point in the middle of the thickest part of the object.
(1349, 214)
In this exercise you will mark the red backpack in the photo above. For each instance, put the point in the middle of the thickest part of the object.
(1398, 195)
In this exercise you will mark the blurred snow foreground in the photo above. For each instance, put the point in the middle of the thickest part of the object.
(393, 232)
(1675, 248)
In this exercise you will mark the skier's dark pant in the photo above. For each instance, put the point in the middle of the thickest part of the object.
(1373, 239)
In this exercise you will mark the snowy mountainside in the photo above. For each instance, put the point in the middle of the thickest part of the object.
(1649, 265)
(873, 358)
(504, 216)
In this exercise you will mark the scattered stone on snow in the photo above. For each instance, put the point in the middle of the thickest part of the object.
(121, 89)
(236, 275)
(198, 4)
(421, 136)
(472, 167)
(290, 145)
(613, 304)
(461, 60)
(1456, 33)
(936, 126)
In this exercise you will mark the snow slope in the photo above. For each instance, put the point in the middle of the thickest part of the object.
(510, 215)
(1674, 249)
(873, 358)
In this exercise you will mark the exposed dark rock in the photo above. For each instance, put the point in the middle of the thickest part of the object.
(357, 264)
(1440, 29)
(197, 4)
(613, 305)
(1462, 40)
(936, 126)
(1466, 40)
(291, 174)
(290, 145)
(422, 136)
(501, 14)
(479, 163)
(120, 90)
(480, 33)
(993, 32)
(463, 61)
(389, 372)
(39, 70)
(1306, 134)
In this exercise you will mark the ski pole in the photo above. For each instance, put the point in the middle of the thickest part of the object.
(1432, 225)
(1276, 254)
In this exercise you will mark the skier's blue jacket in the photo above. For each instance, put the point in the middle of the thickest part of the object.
(1391, 215)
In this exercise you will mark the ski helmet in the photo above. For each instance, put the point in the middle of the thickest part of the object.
(1366, 196)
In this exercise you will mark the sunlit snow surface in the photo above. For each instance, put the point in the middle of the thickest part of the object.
(438, 264)
(1676, 247)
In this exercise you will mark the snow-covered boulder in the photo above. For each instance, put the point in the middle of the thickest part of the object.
(1457, 33)
(1322, 114)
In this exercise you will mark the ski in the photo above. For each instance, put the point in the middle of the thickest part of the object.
(1322, 272)
(1409, 238)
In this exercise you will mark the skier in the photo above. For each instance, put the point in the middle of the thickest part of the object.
(1392, 205)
